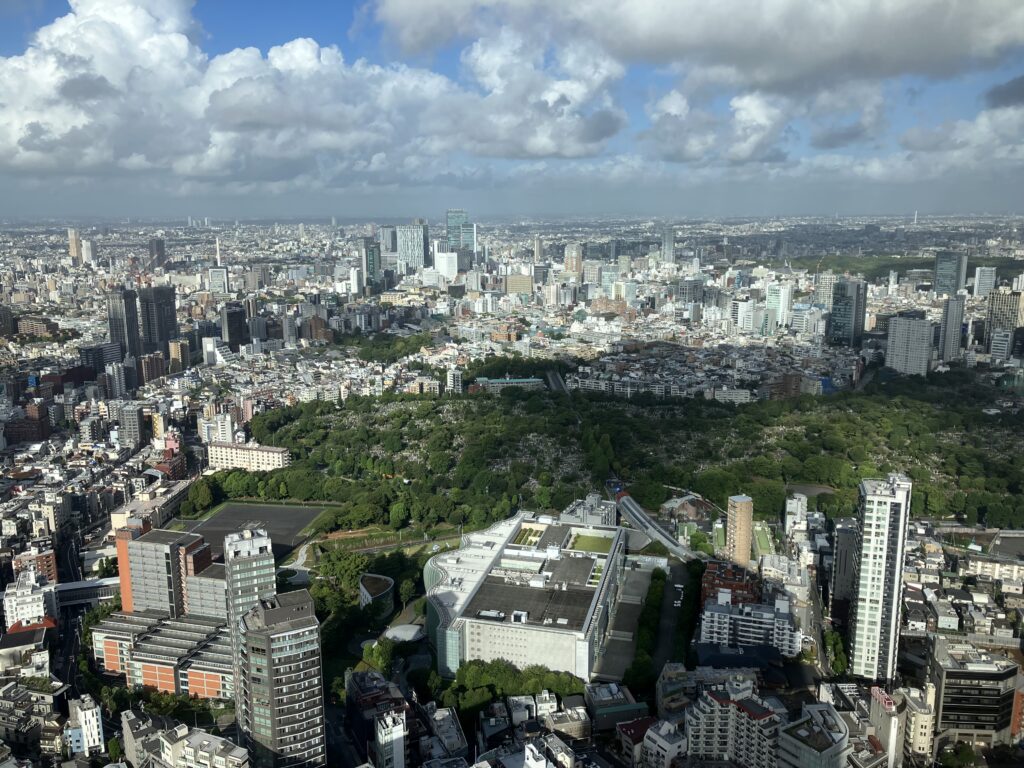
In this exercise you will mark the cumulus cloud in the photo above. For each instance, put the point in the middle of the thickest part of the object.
(123, 86)
(773, 44)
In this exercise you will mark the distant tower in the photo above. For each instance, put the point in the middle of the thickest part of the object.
(668, 245)
(218, 252)
(884, 513)
(915, 218)
(952, 325)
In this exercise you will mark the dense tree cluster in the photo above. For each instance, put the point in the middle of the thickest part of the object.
(641, 675)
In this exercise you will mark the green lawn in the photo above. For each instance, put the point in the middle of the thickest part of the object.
(597, 544)
(763, 541)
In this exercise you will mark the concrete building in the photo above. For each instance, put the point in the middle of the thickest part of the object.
(884, 511)
(818, 739)
(910, 346)
(390, 742)
(974, 694)
(250, 456)
(662, 744)
(849, 306)
(159, 742)
(723, 623)
(29, 599)
(84, 729)
(984, 281)
(526, 590)
(1005, 310)
(739, 528)
(280, 683)
(731, 724)
(154, 566)
(951, 329)
(611, 703)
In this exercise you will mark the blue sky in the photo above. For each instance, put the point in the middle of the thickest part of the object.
(511, 106)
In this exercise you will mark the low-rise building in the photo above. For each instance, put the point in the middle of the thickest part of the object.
(251, 457)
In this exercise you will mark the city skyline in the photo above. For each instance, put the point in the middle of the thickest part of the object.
(160, 107)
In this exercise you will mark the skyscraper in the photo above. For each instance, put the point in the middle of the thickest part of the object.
(910, 346)
(984, 281)
(281, 712)
(824, 283)
(412, 247)
(779, 304)
(739, 527)
(668, 245)
(454, 220)
(159, 318)
(574, 258)
(952, 327)
(74, 246)
(157, 252)
(234, 327)
(849, 304)
(369, 255)
(884, 513)
(123, 321)
(950, 272)
(538, 250)
(1005, 311)
(388, 239)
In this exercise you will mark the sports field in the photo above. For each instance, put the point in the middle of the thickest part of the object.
(283, 522)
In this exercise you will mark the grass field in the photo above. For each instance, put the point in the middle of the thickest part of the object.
(763, 541)
(720, 537)
(597, 544)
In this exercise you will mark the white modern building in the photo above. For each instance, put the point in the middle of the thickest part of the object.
(390, 737)
(29, 599)
(84, 729)
(875, 610)
(663, 742)
(528, 590)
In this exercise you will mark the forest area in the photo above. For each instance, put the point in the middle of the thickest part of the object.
(408, 462)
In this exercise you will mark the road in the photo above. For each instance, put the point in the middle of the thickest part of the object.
(556, 383)
(663, 650)
(639, 519)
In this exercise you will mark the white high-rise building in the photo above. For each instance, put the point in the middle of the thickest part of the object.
(910, 346)
(779, 303)
(984, 281)
(730, 723)
(952, 324)
(824, 282)
(875, 610)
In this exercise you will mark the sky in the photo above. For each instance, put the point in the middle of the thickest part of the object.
(391, 108)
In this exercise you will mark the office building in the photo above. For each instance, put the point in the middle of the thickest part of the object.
(668, 245)
(521, 591)
(157, 252)
(454, 221)
(387, 237)
(123, 322)
(723, 623)
(910, 346)
(131, 426)
(984, 281)
(951, 330)
(153, 568)
(884, 512)
(159, 318)
(538, 250)
(1005, 310)
(574, 258)
(234, 327)
(739, 527)
(179, 355)
(974, 694)
(74, 246)
(849, 305)
(218, 281)
(819, 738)
(251, 457)
(281, 710)
(950, 272)
(824, 285)
(98, 356)
(731, 724)
(413, 247)
(1000, 344)
(369, 259)
(778, 305)
(84, 730)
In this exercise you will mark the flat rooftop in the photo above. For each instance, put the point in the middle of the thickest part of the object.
(557, 608)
